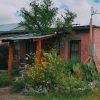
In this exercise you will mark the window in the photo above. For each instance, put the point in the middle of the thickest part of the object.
(75, 50)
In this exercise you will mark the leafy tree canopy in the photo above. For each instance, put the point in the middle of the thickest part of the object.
(42, 18)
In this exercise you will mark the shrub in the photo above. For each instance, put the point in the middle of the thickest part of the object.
(18, 85)
(41, 76)
(55, 74)
(72, 84)
(4, 80)
(89, 72)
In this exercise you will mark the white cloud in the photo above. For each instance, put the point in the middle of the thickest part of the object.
(8, 9)
(82, 9)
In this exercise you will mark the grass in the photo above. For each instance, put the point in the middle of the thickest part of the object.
(4, 79)
(94, 95)
(87, 95)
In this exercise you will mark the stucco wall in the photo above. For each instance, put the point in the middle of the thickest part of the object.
(85, 39)
(97, 48)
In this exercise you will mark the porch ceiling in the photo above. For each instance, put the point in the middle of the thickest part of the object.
(28, 36)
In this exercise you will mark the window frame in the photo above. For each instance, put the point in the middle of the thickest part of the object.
(79, 49)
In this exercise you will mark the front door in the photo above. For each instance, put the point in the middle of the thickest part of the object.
(75, 50)
(3, 57)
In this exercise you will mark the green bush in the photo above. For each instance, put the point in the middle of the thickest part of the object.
(4, 80)
(72, 84)
(44, 77)
(18, 85)
(56, 74)
(89, 72)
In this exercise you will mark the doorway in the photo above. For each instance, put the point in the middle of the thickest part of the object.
(75, 50)
(3, 57)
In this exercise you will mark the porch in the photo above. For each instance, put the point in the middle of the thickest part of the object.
(21, 45)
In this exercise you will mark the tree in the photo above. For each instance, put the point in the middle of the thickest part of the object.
(64, 24)
(42, 17)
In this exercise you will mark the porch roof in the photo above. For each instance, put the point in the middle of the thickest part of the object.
(28, 36)
(11, 28)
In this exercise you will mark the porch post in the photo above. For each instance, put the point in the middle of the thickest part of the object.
(10, 58)
(38, 51)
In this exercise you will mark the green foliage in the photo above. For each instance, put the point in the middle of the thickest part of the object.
(18, 85)
(87, 95)
(73, 84)
(42, 77)
(43, 16)
(89, 72)
(15, 71)
(55, 74)
(40, 18)
(4, 80)
(65, 24)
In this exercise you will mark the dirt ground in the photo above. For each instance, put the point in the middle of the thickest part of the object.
(6, 94)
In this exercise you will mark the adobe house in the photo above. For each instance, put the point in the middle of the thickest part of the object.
(77, 46)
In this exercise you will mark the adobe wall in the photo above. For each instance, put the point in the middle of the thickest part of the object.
(85, 39)
(97, 44)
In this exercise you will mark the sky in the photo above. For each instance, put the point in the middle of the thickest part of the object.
(9, 8)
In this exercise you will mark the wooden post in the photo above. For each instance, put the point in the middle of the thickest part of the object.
(10, 59)
(38, 51)
(91, 36)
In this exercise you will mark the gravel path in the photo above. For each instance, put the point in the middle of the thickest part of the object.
(5, 94)
(16, 97)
